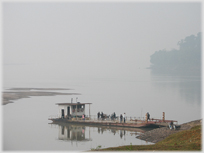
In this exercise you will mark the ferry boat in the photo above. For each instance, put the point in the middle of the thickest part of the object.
(75, 113)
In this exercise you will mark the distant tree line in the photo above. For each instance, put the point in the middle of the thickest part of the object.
(186, 58)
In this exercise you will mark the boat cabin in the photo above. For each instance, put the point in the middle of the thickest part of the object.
(67, 110)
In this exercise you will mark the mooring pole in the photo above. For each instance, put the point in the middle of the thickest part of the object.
(141, 113)
(163, 118)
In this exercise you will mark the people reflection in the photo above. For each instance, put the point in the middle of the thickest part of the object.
(102, 129)
(75, 133)
(121, 134)
(62, 130)
(99, 130)
(113, 131)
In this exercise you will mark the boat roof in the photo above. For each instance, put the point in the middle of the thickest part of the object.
(78, 103)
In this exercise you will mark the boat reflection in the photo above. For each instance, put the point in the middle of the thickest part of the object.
(120, 131)
(76, 132)
(72, 133)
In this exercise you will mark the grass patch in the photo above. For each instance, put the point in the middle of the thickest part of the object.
(188, 140)
(97, 148)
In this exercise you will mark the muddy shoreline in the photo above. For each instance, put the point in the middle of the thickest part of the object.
(159, 134)
(18, 93)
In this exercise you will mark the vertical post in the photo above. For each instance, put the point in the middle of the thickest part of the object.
(89, 110)
(141, 113)
(76, 112)
(76, 108)
(146, 118)
(163, 118)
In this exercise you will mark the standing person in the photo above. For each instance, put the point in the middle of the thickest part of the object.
(124, 117)
(83, 117)
(98, 115)
(102, 115)
(171, 125)
(148, 116)
(121, 118)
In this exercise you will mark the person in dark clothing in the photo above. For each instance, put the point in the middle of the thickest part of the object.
(124, 117)
(102, 115)
(121, 118)
(113, 116)
(148, 116)
(172, 126)
(98, 115)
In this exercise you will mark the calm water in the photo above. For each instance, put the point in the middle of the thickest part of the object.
(26, 125)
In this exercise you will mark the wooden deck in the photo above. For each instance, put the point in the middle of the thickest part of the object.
(129, 124)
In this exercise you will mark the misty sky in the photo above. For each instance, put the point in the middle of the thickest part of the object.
(92, 39)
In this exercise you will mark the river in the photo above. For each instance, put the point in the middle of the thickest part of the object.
(26, 126)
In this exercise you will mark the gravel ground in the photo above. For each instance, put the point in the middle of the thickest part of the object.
(159, 134)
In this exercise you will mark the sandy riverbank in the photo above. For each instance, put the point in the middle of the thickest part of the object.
(159, 134)
(18, 93)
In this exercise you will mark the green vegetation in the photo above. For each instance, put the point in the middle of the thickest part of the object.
(186, 59)
(188, 140)
(97, 148)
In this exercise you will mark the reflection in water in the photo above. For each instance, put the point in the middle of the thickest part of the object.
(120, 130)
(189, 87)
(72, 133)
(85, 134)
(191, 91)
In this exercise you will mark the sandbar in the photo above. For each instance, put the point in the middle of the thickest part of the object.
(19, 93)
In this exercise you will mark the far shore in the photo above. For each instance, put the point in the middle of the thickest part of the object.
(18, 93)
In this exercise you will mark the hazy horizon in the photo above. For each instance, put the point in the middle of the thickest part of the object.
(100, 50)
(91, 39)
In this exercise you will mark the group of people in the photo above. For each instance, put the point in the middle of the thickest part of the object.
(122, 118)
(172, 126)
(113, 116)
(100, 115)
